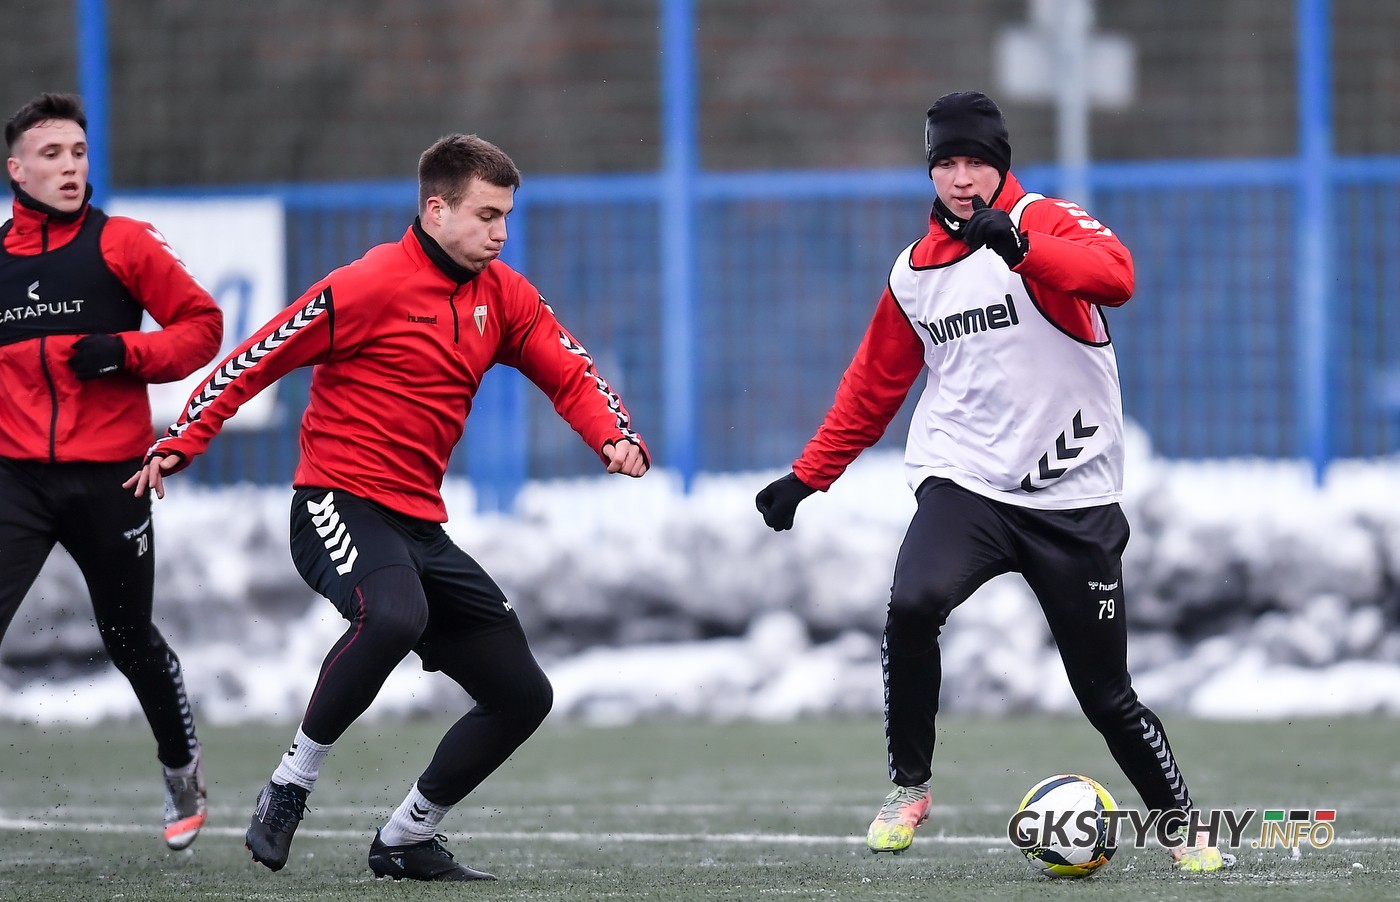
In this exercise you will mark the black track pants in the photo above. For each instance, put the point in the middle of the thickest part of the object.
(107, 531)
(1072, 561)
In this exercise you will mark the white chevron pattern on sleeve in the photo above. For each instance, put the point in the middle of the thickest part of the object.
(235, 366)
(623, 421)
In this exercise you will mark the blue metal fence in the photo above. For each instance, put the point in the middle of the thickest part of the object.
(724, 306)
(788, 267)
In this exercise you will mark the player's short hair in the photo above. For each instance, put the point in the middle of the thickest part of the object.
(44, 108)
(445, 168)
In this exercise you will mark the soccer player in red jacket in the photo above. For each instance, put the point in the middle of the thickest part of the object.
(400, 341)
(74, 415)
(1015, 451)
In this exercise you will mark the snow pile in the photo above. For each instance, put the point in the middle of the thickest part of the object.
(1252, 592)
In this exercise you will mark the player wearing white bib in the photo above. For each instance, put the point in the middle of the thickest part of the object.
(1015, 451)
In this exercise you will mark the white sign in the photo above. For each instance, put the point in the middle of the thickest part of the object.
(1032, 62)
(236, 248)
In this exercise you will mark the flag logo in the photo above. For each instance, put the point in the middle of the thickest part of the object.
(1292, 827)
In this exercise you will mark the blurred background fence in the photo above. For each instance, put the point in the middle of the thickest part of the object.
(1255, 175)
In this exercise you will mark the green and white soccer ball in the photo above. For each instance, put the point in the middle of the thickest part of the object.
(1076, 803)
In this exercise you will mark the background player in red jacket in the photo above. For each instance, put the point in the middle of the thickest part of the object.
(1015, 451)
(400, 340)
(74, 416)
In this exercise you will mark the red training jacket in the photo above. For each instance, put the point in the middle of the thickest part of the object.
(46, 412)
(400, 340)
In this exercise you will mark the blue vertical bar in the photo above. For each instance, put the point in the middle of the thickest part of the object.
(92, 84)
(498, 428)
(679, 168)
(1314, 224)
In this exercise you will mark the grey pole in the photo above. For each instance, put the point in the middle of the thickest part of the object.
(1072, 25)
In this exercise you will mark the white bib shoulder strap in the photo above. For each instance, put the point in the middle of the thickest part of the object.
(1021, 205)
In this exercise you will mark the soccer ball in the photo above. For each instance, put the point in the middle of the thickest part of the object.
(1060, 826)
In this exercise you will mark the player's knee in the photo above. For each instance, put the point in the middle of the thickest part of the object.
(535, 701)
(918, 606)
(134, 649)
(392, 612)
(398, 628)
(1112, 709)
(127, 661)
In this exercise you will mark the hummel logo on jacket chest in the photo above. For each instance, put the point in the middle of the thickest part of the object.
(977, 319)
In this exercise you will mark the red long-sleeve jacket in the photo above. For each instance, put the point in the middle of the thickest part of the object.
(1074, 266)
(46, 412)
(400, 340)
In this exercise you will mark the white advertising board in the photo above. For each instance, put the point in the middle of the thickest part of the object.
(236, 248)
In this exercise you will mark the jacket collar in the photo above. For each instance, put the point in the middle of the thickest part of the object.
(36, 211)
(450, 268)
(940, 214)
(1005, 197)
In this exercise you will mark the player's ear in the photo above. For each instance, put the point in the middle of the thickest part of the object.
(432, 209)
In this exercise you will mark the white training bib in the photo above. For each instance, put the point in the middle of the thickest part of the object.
(1015, 408)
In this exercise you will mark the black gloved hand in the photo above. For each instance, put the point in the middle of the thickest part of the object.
(97, 355)
(778, 500)
(991, 227)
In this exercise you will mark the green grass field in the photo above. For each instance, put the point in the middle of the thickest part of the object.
(686, 811)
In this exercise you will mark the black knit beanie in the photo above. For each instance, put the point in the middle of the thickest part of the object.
(967, 123)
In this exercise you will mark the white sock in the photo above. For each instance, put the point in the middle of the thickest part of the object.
(302, 763)
(416, 820)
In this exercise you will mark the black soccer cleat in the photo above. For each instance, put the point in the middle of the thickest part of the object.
(280, 809)
(426, 860)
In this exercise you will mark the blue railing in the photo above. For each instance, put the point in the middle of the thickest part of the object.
(725, 305)
(788, 265)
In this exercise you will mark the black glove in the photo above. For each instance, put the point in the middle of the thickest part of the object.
(991, 227)
(97, 355)
(778, 501)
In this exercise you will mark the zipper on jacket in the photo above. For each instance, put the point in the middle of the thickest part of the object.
(53, 394)
(44, 236)
(452, 302)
